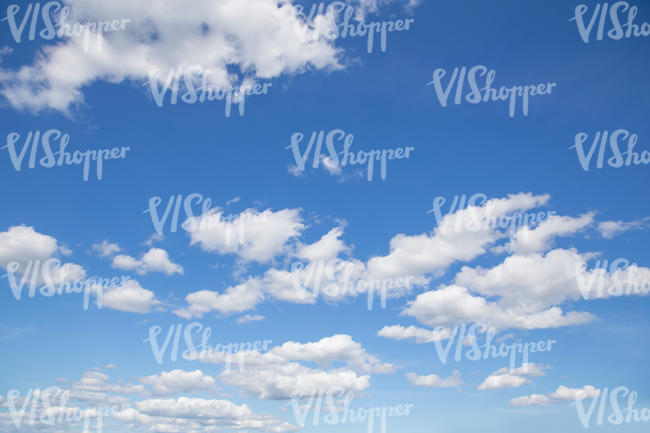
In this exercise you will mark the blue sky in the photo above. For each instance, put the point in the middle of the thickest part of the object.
(378, 229)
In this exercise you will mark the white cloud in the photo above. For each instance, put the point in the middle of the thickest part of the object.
(30, 255)
(523, 280)
(252, 235)
(526, 369)
(177, 415)
(561, 394)
(521, 293)
(286, 286)
(512, 377)
(248, 318)
(331, 166)
(454, 304)
(287, 380)
(129, 297)
(435, 381)
(527, 240)
(189, 414)
(374, 5)
(327, 275)
(232, 200)
(323, 275)
(610, 229)
(564, 393)
(327, 248)
(179, 381)
(235, 299)
(259, 38)
(185, 407)
(338, 347)
(503, 381)
(531, 400)
(155, 237)
(94, 387)
(421, 335)
(334, 280)
(64, 250)
(461, 236)
(294, 170)
(156, 259)
(518, 292)
(22, 244)
(106, 248)
(278, 374)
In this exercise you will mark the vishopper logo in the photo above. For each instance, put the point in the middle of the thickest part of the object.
(463, 337)
(617, 415)
(339, 278)
(46, 412)
(199, 85)
(333, 163)
(468, 214)
(325, 22)
(338, 405)
(616, 139)
(615, 17)
(56, 279)
(193, 352)
(486, 93)
(46, 140)
(233, 226)
(623, 278)
(54, 16)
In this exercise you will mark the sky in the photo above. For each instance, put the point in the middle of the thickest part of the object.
(212, 251)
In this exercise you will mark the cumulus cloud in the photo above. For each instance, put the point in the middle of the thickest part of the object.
(235, 299)
(512, 377)
(326, 274)
(522, 279)
(251, 235)
(31, 256)
(235, 40)
(319, 273)
(527, 240)
(154, 260)
(564, 393)
(531, 400)
(561, 394)
(460, 236)
(333, 279)
(328, 247)
(249, 318)
(421, 335)
(610, 229)
(517, 293)
(331, 166)
(454, 304)
(162, 415)
(130, 297)
(179, 381)
(185, 414)
(338, 347)
(95, 388)
(22, 244)
(435, 381)
(106, 248)
(278, 374)
(288, 380)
